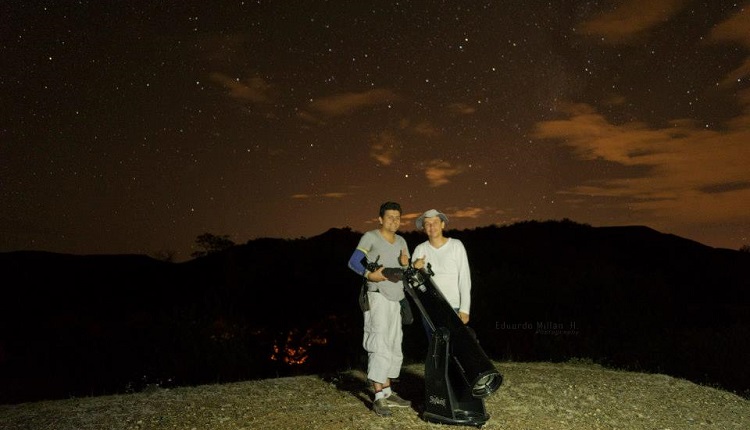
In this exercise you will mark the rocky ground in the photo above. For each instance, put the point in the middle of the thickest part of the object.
(533, 396)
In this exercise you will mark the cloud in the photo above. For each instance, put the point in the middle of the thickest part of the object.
(407, 218)
(308, 117)
(384, 148)
(742, 121)
(736, 29)
(468, 212)
(726, 187)
(692, 174)
(424, 128)
(631, 19)
(439, 172)
(453, 214)
(335, 195)
(331, 195)
(346, 103)
(252, 90)
(740, 73)
(461, 108)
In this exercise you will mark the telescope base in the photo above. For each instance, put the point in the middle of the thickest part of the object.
(446, 402)
(461, 418)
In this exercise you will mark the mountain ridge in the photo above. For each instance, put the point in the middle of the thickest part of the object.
(638, 299)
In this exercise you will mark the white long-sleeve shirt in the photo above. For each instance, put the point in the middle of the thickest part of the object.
(451, 266)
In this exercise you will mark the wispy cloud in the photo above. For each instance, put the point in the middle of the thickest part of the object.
(423, 128)
(407, 218)
(385, 148)
(335, 195)
(346, 103)
(630, 19)
(467, 212)
(332, 195)
(251, 90)
(454, 214)
(461, 108)
(439, 172)
(736, 29)
(692, 174)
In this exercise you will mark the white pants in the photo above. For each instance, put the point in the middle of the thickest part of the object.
(382, 338)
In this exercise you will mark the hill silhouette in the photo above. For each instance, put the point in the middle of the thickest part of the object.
(625, 297)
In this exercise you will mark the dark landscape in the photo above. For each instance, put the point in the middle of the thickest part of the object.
(627, 298)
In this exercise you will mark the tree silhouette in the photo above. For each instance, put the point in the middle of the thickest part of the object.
(211, 243)
(165, 255)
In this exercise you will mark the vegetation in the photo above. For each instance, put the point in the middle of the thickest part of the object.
(575, 395)
(624, 297)
(210, 244)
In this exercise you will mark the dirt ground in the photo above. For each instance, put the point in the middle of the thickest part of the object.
(533, 396)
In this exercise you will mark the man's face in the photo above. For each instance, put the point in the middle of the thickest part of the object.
(391, 220)
(433, 226)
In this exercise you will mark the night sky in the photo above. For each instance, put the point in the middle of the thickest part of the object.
(135, 126)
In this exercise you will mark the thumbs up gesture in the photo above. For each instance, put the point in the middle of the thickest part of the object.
(403, 257)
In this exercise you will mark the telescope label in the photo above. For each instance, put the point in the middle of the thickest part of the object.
(437, 401)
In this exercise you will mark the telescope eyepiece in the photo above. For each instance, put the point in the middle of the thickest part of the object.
(486, 385)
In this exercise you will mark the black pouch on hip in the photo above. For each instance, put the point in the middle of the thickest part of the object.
(364, 302)
(407, 317)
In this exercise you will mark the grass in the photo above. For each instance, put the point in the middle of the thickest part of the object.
(576, 395)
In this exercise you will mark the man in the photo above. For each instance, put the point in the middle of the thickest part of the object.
(382, 322)
(449, 262)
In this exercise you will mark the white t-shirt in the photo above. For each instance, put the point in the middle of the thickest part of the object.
(451, 266)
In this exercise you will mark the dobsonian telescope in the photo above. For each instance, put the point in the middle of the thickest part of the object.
(458, 374)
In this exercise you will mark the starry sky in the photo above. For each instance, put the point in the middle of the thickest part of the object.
(136, 126)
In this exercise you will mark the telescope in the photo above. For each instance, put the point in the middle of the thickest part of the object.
(458, 374)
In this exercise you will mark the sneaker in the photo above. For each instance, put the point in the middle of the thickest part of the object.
(396, 400)
(381, 408)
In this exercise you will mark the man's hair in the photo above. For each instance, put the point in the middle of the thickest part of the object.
(390, 206)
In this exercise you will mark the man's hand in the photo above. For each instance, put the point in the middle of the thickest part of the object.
(464, 317)
(376, 276)
(418, 263)
(403, 257)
